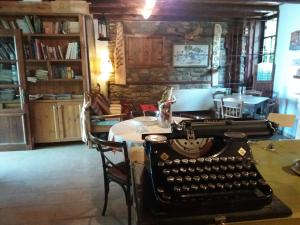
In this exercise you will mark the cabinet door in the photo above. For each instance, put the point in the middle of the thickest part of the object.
(45, 122)
(69, 120)
(14, 116)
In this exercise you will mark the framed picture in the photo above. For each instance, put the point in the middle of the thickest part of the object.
(295, 40)
(190, 55)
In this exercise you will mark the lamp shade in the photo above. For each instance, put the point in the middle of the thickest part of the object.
(103, 29)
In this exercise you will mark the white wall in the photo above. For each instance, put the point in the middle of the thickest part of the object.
(285, 86)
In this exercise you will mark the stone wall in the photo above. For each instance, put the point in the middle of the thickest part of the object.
(180, 78)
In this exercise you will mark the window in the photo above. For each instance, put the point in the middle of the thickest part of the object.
(265, 67)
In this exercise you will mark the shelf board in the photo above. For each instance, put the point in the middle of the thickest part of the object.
(58, 80)
(9, 86)
(51, 35)
(8, 61)
(53, 60)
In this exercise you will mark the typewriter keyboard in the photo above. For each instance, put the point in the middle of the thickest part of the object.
(214, 177)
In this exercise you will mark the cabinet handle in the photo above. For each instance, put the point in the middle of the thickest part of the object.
(54, 107)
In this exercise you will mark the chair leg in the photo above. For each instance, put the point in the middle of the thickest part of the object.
(106, 190)
(129, 203)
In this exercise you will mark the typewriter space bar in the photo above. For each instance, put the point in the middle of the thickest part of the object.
(237, 193)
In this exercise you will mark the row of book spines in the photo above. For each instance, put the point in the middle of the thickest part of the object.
(33, 24)
(7, 51)
(42, 51)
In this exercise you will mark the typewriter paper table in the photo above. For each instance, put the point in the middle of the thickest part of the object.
(273, 165)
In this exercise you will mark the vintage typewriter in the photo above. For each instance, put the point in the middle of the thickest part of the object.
(206, 166)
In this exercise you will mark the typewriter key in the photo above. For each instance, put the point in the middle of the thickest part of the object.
(221, 177)
(231, 158)
(228, 185)
(204, 176)
(192, 161)
(215, 168)
(194, 187)
(182, 169)
(211, 186)
(207, 168)
(191, 169)
(176, 161)
(223, 167)
(177, 189)
(253, 183)
(229, 175)
(245, 173)
(160, 164)
(231, 167)
(179, 179)
(237, 175)
(213, 176)
(199, 169)
(239, 158)
(170, 179)
(239, 166)
(203, 187)
(215, 159)
(169, 162)
(253, 174)
(166, 196)
(174, 170)
(188, 178)
(166, 171)
(237, 184)
(185, 188)
(200, 160)
(196, 178)
(245, 183)
(223, 159)
(185, 161)
(220, 186)
(208, 160)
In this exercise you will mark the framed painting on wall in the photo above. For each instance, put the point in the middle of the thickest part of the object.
(295, 40)
(190, 55)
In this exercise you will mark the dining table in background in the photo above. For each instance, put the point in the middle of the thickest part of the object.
(252, 104)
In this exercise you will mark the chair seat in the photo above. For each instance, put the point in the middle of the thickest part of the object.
(118, 172)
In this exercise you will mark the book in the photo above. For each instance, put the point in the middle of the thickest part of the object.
(22, 25)
(29, 24)
(48, 27)
(32, 79)
(73, 27)
(5, 24)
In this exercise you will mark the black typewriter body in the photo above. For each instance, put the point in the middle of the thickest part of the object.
(205, 173)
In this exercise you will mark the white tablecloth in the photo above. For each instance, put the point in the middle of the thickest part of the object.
(131, 131)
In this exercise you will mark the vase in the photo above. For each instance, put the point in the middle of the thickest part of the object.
(165, 115)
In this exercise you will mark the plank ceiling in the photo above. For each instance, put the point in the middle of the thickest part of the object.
(188, 9)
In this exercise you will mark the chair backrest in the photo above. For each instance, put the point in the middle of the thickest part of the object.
(254, 92)
(218, 95)
(149, 109)
(108, 150)
(231, 108)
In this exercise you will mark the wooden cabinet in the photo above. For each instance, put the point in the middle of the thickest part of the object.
(55, 66)
(14, 115)
(143, 52)
(55, 121)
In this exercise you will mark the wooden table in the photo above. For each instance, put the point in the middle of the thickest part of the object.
(273, 165)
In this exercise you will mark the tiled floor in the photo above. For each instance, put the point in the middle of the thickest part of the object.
(56, 186)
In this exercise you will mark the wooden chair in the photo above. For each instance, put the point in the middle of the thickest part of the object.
(217, 95)
(232, 108)
(118, 172)
(254, 92)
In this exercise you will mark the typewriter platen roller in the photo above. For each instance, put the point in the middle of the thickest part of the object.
(212, 173)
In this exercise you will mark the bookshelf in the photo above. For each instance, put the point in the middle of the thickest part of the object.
(54, 45)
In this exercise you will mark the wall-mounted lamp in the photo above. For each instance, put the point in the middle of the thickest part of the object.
(103, 29)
